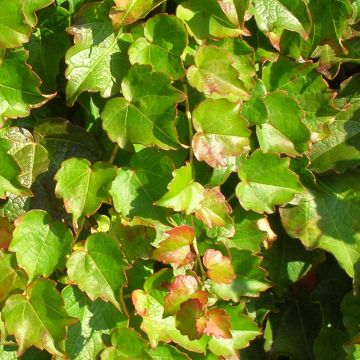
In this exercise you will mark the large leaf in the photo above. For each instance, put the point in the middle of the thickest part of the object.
(266, 181)
(40, 243)
(222, 132)
(137, 187)
(340, 150)
(98, 268)
(96, 62)
(96, 319)
(19, 87)
(82, 186)
(164, 42)
(149, 103)
(329, 220)
(37, 318)
(215, 75)
(184, 194)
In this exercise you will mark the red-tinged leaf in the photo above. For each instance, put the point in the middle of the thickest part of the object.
(214, 210)
(190, 319)
(218, 324)
(219, 267)
(183, 288)
(175, 249)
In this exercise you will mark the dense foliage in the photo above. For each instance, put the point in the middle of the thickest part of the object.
(179, 179)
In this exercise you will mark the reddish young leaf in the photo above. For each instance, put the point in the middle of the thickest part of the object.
(183, 288)
(214, 210)
(175, 249)
(219, 267)
(190, 319)
(218, 324)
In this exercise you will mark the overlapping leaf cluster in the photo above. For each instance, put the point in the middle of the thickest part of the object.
(179, 179)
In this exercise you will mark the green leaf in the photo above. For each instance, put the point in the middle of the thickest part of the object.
(167, 352)
(96, 319)
(243, 330)
(42, 321)
(266, 181)
(175, 249)
(137, 187)
(302, 82)
(293, 329)
(250, 277)
(162, 329)
(215, 75)
(184, 194)
(149, 102)
(30, 6)
(164, 42)
(222, 133)
(12, 279)
(40, 243)
(284, 131)
(328, 220)
(205, 18)
(19, 87)
(97, 61)
(44, 57)
(98, 268)
(83, 187)
(126, 12)
(9, 172)
(277, 15)
(340, 150)
(219, 267)
(351, 317)
(127, 344)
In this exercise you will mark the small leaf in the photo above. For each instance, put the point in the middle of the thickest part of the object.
(40, 243)
(215, 76)
(98, 269)
(9, 172)
(175, 249)
(127, 12)
(83, 187)
(218, 324)
(183, 288)
(97, 61)
(149, 103)
(190, 319)
(12, 278)
(164, 42)
(222, 133)
(19, 91)
(219, 267)
(266, 182)
(42, 321)
(184, 194)
(161, 329)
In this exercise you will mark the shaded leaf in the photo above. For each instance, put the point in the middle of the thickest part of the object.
(98, 269)
(40, 243)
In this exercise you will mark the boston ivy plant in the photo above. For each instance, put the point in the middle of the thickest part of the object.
(179, 179)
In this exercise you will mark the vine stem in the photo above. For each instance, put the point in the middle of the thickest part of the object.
(189, 121)
(113, 153)
(198, 260)
(8, 343)
(231, 197)
(123, 304)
